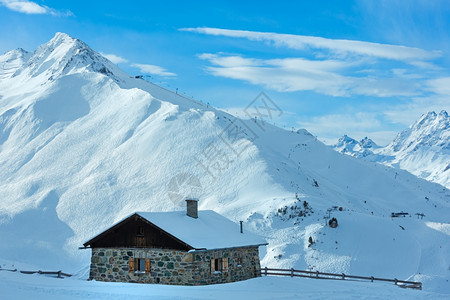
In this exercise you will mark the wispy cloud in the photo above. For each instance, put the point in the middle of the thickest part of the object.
(357, 125)
(327, 76)
(154, 70)
(334, 67)
(30, 7)
(348, 122)
(144, 68)
(337, 46)
(408, 112)
(440, 86)
(284, 75)
(114, 58)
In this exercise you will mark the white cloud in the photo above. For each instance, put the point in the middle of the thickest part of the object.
(392, 86)
(114, 58)
(144, 68)
(154, 70)
(337, 46)
(30, 7)
(26, 7)
(409, 76)
(284, 75)
(340, 67)
(299, 74)
(409, 112)
(347, 122)
(357, 125)
(440, 86)
(240, 112)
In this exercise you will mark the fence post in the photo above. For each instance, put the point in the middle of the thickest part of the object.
(395, 281)
(265, 271)
(343, 276)
(317, 274)
(59, 274)
(292, 272)
(371, 278)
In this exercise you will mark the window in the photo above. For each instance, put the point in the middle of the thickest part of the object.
(239, 262)
(219, 265)
(139, 265)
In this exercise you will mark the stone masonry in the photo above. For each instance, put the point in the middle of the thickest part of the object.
(174, 266)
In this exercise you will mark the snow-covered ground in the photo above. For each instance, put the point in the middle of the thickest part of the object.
(83, 145)
(20, 286)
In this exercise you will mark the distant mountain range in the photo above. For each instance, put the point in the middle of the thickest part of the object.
(422, 149)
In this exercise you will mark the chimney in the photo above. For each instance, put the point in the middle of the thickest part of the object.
(192, 208)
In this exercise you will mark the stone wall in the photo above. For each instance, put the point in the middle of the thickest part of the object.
(174, 266)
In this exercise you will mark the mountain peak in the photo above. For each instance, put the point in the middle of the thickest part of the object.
(64, 55)
(11, 61)
(14, 54)
(345, 144)
(422, 148)
(350, 146)
(61, 41)
(430, 114)
(431, 121)
(367, 143)
(61, 36)
(18, 52)
(345, 139)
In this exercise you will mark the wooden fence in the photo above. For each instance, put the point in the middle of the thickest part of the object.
(58, 274)
(278, 272)
(321, 275)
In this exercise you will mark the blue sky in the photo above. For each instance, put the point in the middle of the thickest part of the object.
(362, 68)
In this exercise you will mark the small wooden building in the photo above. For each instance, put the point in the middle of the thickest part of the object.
(193, 248)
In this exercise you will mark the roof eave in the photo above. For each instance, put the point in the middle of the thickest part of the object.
(108, 229)
(223, 248)
(88, 243)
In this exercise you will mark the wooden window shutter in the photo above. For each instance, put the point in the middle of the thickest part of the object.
(225, 264)
(213, 269)
(147, 265)
(131, 265)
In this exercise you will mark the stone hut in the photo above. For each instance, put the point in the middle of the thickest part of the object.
(193, 248)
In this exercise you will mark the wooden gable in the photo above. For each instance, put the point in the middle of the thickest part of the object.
(137, 232)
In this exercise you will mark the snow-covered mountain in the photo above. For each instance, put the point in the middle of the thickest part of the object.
(352, 147)
(82, 145)
(422, 149)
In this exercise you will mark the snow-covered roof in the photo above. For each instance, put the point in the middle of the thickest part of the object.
(210, 230)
